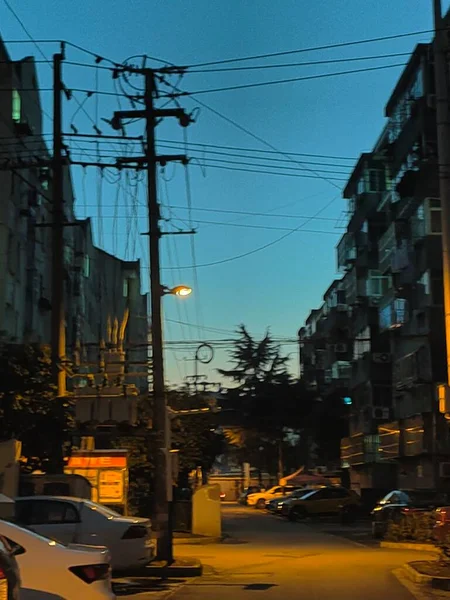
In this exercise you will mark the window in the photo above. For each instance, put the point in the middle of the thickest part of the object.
(435, 221)
(125, 288)
(16, 106)
(338, 493)
(42, 512)
(437, 291)
(425, 280)
(377, 284)
(86, 266)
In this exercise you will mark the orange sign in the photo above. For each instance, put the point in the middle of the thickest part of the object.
(97, 462)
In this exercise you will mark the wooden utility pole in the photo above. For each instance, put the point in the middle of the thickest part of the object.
(58, 342)
(161, 425)
(161, 422)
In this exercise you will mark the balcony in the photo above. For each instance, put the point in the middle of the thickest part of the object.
(375, 367)
(346, 252)
(389, 440)
(416, 436)
(394, 314)
(412, 369)
(359, 449)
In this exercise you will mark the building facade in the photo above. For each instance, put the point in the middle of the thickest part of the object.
(392, 299)
(102, 293)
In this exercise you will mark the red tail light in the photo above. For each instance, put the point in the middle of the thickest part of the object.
(2, 574)
(135, 532)
(91, 573)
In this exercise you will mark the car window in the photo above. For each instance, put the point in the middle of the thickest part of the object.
(56, 488)
(339, 493)
(277, 490)
(312, 495)
(103, 510)
(40, 512)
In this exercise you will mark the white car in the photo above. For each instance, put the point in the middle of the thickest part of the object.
(259, 500)
(80, 521)
(48, 568)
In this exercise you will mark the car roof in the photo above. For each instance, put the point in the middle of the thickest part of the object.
(62, 498)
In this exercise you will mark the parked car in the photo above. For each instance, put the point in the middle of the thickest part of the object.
(80, 521)
(399, 502)
(321, 502)
(9, 572)
(259, 500)
(276, 505)
(253, 489)
(67, 572)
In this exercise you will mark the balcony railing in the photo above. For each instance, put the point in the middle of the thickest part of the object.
(359, 449)
(412, 368)
(346, 252)
(389, 440)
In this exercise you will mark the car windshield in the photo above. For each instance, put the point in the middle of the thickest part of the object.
(103, 510)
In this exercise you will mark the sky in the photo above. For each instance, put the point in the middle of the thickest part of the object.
(332, 116)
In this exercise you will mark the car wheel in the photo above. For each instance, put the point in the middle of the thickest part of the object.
(297, 513)
(261, 503)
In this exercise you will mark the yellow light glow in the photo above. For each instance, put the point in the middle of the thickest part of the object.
(181, 290)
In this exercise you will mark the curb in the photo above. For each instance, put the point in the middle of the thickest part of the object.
(407, 546)
(164, 571)
(441, 583)
(197, 541)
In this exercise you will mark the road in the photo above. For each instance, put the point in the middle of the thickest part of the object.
(288, 561)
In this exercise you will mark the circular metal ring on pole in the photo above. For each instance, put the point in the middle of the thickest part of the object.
(204, 353)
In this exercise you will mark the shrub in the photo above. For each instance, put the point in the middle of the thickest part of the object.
(413, 527)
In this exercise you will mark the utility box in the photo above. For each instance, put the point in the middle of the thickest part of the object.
(206, 511)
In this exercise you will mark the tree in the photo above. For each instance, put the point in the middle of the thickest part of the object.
(195, 436)
(29, 410)
(267, 398)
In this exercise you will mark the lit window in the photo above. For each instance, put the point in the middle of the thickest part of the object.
(86, 266)
(16, 106)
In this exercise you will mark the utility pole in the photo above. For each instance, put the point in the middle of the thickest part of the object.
(58, 341)
(161, 423)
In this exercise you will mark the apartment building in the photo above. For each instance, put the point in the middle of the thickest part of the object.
(100, 290)
(24, 248)
(390, 261)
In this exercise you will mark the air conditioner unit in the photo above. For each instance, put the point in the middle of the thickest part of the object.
(380, 412)
(374, 302)
(444, 469)
(340, 348)
(381, 357)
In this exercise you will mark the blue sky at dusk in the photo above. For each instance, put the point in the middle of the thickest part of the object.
(338, 116)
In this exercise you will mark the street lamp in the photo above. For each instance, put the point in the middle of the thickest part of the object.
(162, 427)
(179, 290)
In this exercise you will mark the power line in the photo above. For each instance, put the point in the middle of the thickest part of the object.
(301, 64)
(33, 41)
(168, 144)
(289, 80)
(313, 49)
(277, 228)
(260, 248)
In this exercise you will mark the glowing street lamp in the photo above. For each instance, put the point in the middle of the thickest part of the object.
(179, 290)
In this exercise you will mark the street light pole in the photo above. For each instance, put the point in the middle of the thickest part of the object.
(443, 144)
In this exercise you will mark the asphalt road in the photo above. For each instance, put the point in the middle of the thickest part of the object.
(279, 560)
